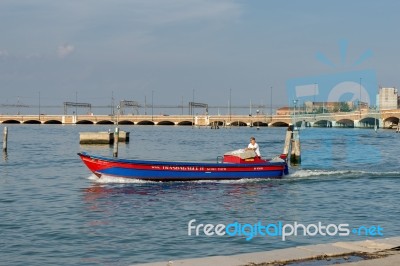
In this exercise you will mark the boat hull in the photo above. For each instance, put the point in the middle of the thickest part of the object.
(181, 171)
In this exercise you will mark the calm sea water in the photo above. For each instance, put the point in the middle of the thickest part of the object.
(55, 212)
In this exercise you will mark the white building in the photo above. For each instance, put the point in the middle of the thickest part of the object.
(387, 98)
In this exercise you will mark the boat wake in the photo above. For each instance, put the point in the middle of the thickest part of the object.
(295, 175)
(104, 179)
(318, 173)
(312, 173)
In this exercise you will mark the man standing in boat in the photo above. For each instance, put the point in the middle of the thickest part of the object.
(254, 146)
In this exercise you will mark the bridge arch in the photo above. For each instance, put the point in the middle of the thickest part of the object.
(279, 124)
(166, 123)
(105, 122)
(11, 121)
(32, 122)
(369, 122)
(52, 122)
(259, 124)
(239, 124)
(145, 122)
(84, 122)
(390, 122)
(344, 123)
(126, 122)
(324, 123)
(185, 123)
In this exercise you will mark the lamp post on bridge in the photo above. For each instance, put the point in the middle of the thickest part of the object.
(359, 105)
(270, 103)
(39, 105)
(294, 113)
(258, 122)
(230, 106)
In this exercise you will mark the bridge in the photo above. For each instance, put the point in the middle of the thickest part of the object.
(361, 119)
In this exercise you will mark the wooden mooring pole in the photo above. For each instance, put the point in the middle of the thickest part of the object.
(116, 136)
(5, 136)
(292, 145)
(295, 156)
(288, 138)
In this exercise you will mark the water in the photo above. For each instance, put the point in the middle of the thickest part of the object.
(54, 211)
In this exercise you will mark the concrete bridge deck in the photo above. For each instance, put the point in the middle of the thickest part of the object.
(384, 119)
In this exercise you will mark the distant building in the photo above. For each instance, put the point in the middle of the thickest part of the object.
(332, 107)
(284, 111)
(323, 107)
(388, 98)
(290, 110)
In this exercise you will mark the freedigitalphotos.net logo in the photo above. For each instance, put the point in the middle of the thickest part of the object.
(352, 93)
(280, 229)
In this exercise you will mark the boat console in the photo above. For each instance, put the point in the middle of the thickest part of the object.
(242, 156)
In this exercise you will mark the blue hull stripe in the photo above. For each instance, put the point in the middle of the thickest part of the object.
(187, 175)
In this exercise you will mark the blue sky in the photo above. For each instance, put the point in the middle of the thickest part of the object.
(128, 48)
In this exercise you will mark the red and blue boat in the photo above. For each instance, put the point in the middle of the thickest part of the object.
(233, 166)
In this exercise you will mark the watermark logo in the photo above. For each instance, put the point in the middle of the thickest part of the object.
(280, 229)
(356, 88)
(338, 99)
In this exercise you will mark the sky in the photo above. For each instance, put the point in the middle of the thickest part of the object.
(217, 52)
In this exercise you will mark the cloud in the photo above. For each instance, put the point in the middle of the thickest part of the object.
(64, 50)
(3, 53)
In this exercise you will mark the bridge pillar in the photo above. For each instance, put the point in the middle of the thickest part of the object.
(381, 125)
(333, 123)
(68, 119)
(357, 123)
(311, 123)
